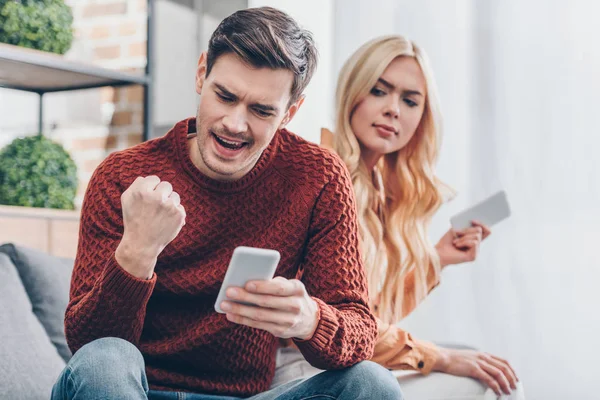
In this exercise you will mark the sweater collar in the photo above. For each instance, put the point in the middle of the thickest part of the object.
(185, 129)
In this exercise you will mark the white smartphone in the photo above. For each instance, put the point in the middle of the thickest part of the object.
(489, 212)
(247, 264)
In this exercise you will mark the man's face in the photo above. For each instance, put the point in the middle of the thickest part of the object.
(241, 108)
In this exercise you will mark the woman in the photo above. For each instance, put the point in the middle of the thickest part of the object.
(388, 133)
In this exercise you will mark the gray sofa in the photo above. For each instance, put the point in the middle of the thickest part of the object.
(34, 291)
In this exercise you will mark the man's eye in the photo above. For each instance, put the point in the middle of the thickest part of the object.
(225, 99)
(262, 113)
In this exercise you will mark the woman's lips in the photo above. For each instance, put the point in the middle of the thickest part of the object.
(385, 130)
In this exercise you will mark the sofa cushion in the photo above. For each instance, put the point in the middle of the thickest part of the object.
(46, 280)
(30, 363)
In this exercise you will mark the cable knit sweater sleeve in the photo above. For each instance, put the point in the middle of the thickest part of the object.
(333, 274)
(105, 300)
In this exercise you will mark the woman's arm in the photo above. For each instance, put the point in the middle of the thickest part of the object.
(454, 247)
(410, 300)
(397, 349)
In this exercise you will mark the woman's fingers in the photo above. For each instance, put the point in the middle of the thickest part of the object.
(506, 371)
(474, 230)
(486, 378)
(467, 241)
(485, 230)
(497, 374)
(507, 364)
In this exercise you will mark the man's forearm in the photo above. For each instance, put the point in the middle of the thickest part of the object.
(115, 306)
(135, 259)
(344, 336)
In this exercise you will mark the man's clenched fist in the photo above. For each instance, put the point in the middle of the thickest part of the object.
(152, 217)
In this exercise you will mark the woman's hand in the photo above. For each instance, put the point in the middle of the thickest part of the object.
(490, 370)
(457, 247)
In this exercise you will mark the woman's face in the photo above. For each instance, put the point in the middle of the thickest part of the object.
(387, 118)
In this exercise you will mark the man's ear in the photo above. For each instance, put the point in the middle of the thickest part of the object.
(201, 72)
(292, 110)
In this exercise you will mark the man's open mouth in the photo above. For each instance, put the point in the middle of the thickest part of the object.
(229, 144)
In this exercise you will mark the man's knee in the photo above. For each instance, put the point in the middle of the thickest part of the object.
(107, 368)
(373, 381)
(107, 358)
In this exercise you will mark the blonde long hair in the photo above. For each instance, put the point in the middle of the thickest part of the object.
(393, 226)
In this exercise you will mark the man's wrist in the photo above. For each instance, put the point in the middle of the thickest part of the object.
(135, 259)
(315, 323)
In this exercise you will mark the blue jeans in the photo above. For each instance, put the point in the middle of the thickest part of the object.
(111, 368)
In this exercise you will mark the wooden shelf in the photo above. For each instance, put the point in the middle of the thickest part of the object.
(42, 72)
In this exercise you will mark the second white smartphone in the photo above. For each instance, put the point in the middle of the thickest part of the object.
(247, 264)
(489, 212)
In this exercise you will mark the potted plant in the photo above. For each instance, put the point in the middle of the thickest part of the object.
(45, 25)
(37, 172)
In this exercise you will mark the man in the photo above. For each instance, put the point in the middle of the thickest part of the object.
(161, 220)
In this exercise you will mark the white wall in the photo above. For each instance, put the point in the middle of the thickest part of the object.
(212, 12)
(19, 114)
(176, 56)
(540, 142)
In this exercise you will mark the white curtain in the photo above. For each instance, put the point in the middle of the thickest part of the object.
(519, 86)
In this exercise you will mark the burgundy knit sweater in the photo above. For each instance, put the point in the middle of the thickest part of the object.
(298, 199)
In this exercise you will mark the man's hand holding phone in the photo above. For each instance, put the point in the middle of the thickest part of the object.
(279, 306)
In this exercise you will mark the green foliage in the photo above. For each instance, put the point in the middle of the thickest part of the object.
(36, 172)
(38, 24)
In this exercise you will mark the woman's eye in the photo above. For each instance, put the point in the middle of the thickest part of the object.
(410, 103)
(377, 92)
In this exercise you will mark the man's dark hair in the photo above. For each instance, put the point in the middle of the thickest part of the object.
(266, 37)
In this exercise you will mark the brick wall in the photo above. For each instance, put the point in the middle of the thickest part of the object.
(113, 34)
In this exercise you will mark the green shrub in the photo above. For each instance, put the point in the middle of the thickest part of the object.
(36, 172)
(38, 24)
